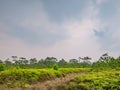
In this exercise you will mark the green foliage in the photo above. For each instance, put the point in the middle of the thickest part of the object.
(22, 72)
(2, 67)
(24, 77)
(55, 67)
(106, 63)
(63, 64)
(85, 65)
(48, 62)
(105, 80)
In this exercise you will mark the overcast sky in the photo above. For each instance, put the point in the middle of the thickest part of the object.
(59, 28)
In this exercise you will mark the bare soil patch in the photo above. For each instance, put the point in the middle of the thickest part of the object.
(55, 84)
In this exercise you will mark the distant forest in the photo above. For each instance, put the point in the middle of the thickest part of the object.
(104, 62)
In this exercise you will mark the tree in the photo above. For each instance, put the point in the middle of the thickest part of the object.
(50, 61)
(79, 58)
(41, 64)
(55, 67)
(14, 58)
(85, 62)
(87, 59)
(73, 62)
(23, 60)
(7, 62)
(33, 61)
(1, 62)
(105, 58)
(62, 63)
(2, 67)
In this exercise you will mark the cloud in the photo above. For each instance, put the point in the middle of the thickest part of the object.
(98, 2)
(36, 35)
(82, 40)
(31, 24)
(111, 32)
(11, 46)
(79, 41)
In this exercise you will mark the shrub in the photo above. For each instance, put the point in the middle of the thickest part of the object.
(55, 67)
(2, 67)
(106, 80)
(24, 77)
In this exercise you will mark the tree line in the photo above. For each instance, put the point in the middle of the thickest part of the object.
(48, 62)
(104, 62)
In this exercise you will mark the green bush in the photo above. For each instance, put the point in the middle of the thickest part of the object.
(2, 67)
(55, 67)
(104, 80)
(21, 77)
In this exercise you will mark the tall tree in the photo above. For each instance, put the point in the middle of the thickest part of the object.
(14, 59)
(50, 61)
(73, 62)
(33, 61)
(23, 60)
(62, 63)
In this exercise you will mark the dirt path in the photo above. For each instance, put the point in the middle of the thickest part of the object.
(54, 84)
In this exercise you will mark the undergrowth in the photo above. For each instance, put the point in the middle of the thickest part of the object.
(104, 80)
(25, 77)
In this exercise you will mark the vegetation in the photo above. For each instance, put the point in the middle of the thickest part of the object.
(20, 72)
(103, 74)
(2, 67)
(55, 67)
(104, 80)
(24, 77)
(48, 62)
(106, 62)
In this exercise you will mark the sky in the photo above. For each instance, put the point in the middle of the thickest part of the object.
(59, 28)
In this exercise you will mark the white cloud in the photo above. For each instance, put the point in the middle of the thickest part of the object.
(39, 20)
(81, 39)
(111, 41)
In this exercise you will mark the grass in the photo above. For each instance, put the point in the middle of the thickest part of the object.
(24, 77)
(103, 80)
